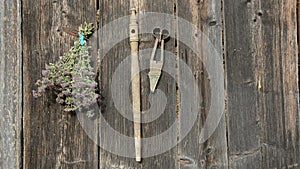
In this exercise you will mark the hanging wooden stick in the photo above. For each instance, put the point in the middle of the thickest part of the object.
(135, 83)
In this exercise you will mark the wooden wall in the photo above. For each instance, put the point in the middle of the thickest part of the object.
(259, 129)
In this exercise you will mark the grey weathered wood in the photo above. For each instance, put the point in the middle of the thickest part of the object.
(207, 17)
(11, 85)
(166, 84)
(110, 11)
(263, 103)
(243, 128)
(251, 160)
(52, 138)
(298, 38)
(279, 79)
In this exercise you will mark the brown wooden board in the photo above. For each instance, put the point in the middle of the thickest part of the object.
(52, 138)
(166, 84)
(279, 95)
(243, 128)
(11, 85)
(206, 16)
(261, 60)
(109, 11)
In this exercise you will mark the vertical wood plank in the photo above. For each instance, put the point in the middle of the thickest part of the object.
(263, 103)
(207, 17)
(298, 39)
(278, 71)
(109, 12)
(243, 128)
(52, 138)
(80, 150)
(11, 85)
(166, 84)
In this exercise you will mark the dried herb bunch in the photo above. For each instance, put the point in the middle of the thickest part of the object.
(72, 77)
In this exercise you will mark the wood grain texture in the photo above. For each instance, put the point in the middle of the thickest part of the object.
(298, 39)
(11, 85)
(109, 12)
(166, 85)
(52, 138)
(263, 103)
(278, 71)
(206, 16)
(243, 128)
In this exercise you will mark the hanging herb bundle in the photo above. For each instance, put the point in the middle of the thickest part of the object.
(72, 77)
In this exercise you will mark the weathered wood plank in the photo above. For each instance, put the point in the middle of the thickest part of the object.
(11, 85)
(78, 146)
(279, 96)
(166, 84)
(251, 160)
(263, 103)
(109, 11)
(207, 17)
(298, 39)
(111, 61)
(242, 91)
(243, 128)
(52, 138)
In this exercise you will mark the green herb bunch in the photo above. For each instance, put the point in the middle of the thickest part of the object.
(72, 77)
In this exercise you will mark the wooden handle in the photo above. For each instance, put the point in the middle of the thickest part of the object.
(135, 84)
(136, 99)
